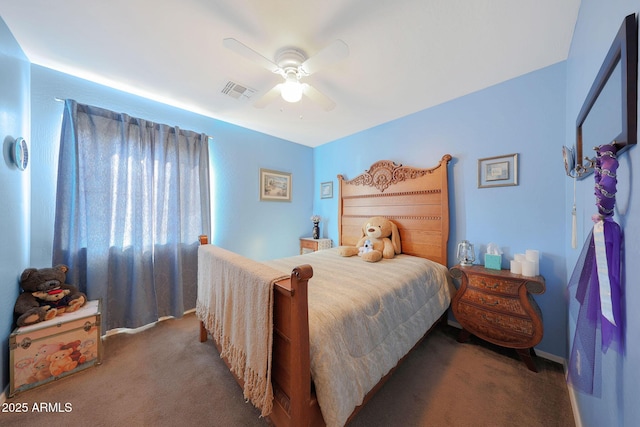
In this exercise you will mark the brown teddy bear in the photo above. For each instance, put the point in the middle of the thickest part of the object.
(45, 295)
(61, 361)
(40, 371)
(380, 238)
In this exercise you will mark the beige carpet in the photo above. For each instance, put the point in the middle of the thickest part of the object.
(163, 376)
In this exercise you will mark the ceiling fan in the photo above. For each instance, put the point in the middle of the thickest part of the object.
(292, 64)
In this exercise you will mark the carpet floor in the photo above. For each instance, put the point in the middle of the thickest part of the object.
(163, 376)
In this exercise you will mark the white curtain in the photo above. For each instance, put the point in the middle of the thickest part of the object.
(132, 199)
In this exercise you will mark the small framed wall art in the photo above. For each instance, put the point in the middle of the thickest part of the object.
(499, 171)
(326, 190)
(275, 186)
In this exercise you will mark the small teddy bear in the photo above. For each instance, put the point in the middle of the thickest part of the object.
(41, 298)
(368, 247)
(22, 371)
(57, 298)
(40, 371)
(61, 361)
(40, 368)
(75, 351)
(89, 350)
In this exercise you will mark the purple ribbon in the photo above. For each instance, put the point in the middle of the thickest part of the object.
(584, 361)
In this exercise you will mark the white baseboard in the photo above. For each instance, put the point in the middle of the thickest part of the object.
(453, 323)
(574, 404)
(552, 357)
(141, 328)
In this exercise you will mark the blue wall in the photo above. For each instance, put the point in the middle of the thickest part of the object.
(242, 223)
(14, 184)
(525, 116)
(598, 23)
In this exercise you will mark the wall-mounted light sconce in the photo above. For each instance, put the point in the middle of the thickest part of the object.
(574, 170)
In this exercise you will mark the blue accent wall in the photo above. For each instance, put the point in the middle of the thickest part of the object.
(14, 185)
(598, 23)
(525, 116)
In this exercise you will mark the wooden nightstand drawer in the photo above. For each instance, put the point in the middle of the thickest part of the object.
(494, 284)
(495, 302)
(495, 319)
(308, 244)
(494, 327)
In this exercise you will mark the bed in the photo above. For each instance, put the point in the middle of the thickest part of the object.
(322, 375)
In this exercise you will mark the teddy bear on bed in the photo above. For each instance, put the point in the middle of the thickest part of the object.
(382, 234)
(45, 295)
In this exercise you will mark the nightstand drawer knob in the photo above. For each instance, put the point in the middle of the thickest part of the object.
(494, 286)
(485, 302)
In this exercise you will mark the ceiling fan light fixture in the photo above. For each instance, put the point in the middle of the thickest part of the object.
(291, 90)
(292, 64)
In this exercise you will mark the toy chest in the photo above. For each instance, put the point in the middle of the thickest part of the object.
(56, 348)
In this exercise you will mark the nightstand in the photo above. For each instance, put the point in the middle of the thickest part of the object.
(309, 244)
(497, 306)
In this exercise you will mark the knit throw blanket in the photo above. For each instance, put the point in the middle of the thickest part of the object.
(235, 302)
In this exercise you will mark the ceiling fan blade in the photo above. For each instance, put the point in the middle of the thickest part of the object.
(268, 97)
(336, 51)
(318, 97)
(250, 54)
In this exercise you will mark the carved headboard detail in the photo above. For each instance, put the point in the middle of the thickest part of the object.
(416, 199)
(384, 173)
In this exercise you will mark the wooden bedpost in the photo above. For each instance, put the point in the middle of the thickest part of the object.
(291, 373)
(301, 366)
(204, 240)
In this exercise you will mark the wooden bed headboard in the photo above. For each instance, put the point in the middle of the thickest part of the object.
(417, 200)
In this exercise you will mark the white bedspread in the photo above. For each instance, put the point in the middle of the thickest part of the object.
(363, 318)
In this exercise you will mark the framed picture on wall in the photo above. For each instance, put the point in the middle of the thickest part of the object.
(275, 186)
(326, 190)
(499, 171)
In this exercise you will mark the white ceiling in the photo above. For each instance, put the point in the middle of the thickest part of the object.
(405, 55)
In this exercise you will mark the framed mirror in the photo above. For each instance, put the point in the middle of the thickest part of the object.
(609, 112)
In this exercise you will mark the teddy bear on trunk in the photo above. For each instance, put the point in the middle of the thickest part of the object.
(45, 295)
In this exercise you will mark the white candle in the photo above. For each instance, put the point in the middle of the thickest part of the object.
(519, 257)
(534, 256)
(528, 268)
(516, 267)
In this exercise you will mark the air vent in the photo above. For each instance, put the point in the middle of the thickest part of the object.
(238, 91)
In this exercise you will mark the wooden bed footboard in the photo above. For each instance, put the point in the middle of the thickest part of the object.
(294, 404)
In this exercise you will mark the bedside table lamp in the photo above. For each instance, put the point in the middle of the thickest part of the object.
(465, 255)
